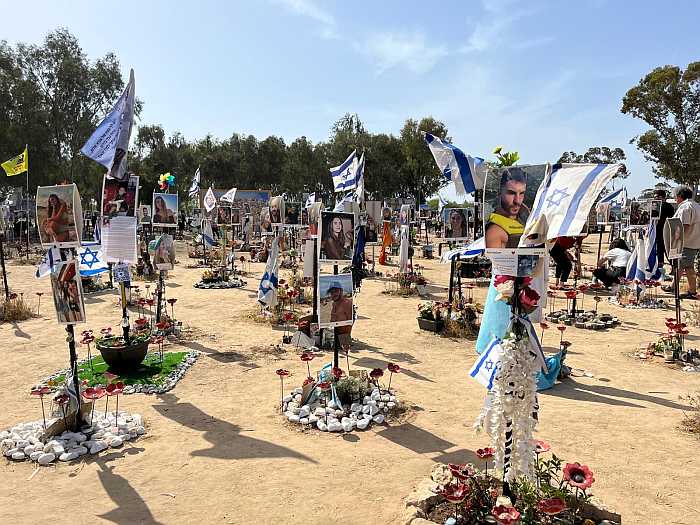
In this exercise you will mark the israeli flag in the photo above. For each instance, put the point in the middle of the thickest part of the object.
(616, 197)
(487, 364)
(344, 175)
(109, 143)
(360, 178)
(267, 291)
(345, 205)
(229, 196)
(309, 201)
(651, 258)
(207, 233)
(467, 173)
(564, 200)
(474, 249)
(91, 260)
(209, 200)
(47, 265)
(194, 187)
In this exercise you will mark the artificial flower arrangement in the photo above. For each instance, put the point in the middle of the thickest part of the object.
(528, 297)
(470, 495)
(670, 345)
(461, 320)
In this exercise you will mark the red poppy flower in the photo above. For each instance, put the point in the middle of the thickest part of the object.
(376, 373)
(308, 381)
(106, 331)
(13, 296)
(571, 294)
(505, 515)
(578, 475)
(456, 493)
(94, 393)
(172, 301)
(561, 328)
(393, 368)
(40, 391)
(115, 389)
(565, 344)
(150, 302)
(306, 357)
(551, 506)
(241, 258)
(87, 340)
(157, 340)
(485, 453)
(282, 372)
(61, 399)
(40, 293)
(324, 385)
(141, 322)
(337, 372)
(529, 297)
(162, 325)
(288, 316)
(542, 446)
(142, 302)
(502, 279)
(463, 471)
(544, 326)
(582, 288)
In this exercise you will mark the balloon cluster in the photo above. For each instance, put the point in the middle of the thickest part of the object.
(166, 181)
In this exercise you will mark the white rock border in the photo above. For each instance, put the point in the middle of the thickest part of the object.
(170, 380)
(24, 441)
(360, 416)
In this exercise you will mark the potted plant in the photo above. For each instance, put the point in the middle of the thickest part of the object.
(127, 351)
(421, 284)
(429, 317)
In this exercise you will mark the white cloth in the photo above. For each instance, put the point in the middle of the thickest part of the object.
(689, 213)
(617, 257)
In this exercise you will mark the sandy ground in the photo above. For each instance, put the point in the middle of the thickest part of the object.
(218, 452)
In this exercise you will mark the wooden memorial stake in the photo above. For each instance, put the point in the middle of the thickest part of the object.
(600, 242)
(160, 295)
(125, 313)
(74, 372)
(4, 272)
(336, 343)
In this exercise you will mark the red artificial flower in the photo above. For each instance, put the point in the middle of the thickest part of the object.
(337, 372)
(94, 393)
(542, 446)
(306, 356)
(288, 316)
(485, 453)
(115, 389)
(376, 373)
(141, 322)
(456, 493)
(150, 302)
(544, 326)
(551, 506)
(308, 381)
(110, 377)
(106, 331)
(13, 296)
(142, 302)
(86, 340)
(241, 258)
(324, 385)
(282, 372)
(393, 368)
(162, 325)
(571, 294)
(505, 515)
(578, 475)
(528, 298)
(172, 301)
(463, 471)
(61, 399)
(561, 328)
(40, 391)
(502, 279)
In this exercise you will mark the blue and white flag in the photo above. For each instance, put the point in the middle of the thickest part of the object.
(207, 233)
(47, 265)
(360, 178)
(564, 200)
(472, 250)
(229, 196)
(616, 197)
(467, 173)
(345, 205)
(109, 143)
(309, 201)
(651, 259)
(267, 291)
(194, 187)
(487, 364)
(344, 175)
(442, 203)
(91, 260)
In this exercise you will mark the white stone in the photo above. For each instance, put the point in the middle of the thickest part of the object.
(68, 456)
(116, 442)
(8, 453)
(321, 425)
(19, 455)
(304, 420)
(287, 398)
(347, 424)
(339, 413)
(80, 450)
(390, 405)
(392, 399)
(386, 397)
(45, 459)
(330, 411)
(334, 426)
(298, 390)
(297, 398)
(29, 449)
(296, 410)
(56, 449)
(34, 456)
(378, 419)
(373, 410)
(320, 412)
(98, 446)
(22, 443)
(366, 400)
(365, 409)
(305, 411)
(331, 404)
(382, 404)
(362, 423)
(140, 430)
(294, 418)
(356, 407)
(313, 418)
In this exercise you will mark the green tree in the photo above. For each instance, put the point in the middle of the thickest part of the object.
(420, 175)
(668, 100)
(598, 155)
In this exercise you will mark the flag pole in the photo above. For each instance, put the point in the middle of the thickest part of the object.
(26, 150)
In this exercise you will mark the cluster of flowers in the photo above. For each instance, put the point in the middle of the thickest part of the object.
(475, 494)
(527, 297)
(408, 280)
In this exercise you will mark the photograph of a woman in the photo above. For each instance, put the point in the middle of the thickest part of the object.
(164, 254)
(56, 216)
(674, 235)
(405, 215)
(119, 198)
(456, 226)
(337, 236)
(68, 293)
(165, 210)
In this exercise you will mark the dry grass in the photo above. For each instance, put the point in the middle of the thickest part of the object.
(16, 310)
(691, 420)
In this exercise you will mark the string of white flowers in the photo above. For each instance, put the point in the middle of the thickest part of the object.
(509, 415)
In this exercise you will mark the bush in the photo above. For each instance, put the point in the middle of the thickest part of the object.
(15, 309)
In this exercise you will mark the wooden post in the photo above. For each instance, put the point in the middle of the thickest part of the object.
(4, 272)
(74, 372)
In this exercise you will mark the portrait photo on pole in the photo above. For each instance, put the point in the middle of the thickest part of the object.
(405, 215)
(164, 252)
(337, 237)
(68, 293)
(59, 215)
(277, 211)
(120, 197)
(335, 300)
(265, 221)
(144, 213)
(223, 215)
(673, 238)
(165, 210)
(292, 214)
(508, 198)
(456, 223)
(314, 219)
(236, 216)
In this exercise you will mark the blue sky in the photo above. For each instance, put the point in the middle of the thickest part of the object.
(538, 77)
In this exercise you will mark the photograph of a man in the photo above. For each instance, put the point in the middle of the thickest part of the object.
(335, 298)
(506, 224)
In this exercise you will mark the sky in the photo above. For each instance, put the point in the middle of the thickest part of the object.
(538, 77)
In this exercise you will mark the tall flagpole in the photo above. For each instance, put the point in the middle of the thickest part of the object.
(26, 151)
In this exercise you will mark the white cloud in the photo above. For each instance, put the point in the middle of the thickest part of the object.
(411, 51)
(309, 9)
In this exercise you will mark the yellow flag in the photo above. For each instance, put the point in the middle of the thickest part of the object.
(18, 165)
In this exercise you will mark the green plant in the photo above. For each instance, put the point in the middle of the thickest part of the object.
(350, 389)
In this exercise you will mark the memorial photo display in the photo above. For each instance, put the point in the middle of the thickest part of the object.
(59, 215)
(337, 237)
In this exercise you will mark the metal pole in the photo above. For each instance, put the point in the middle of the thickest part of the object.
(4, 272)
(336, 343)
(74, 372)
(26, 149)
(314, 313)
(600, 243)
(125, 313)
(160, 295)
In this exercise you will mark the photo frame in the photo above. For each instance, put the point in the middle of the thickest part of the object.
(120, 198)
(236, 216)
(67, 289)
(335, 300)
(144, 213)
(276, 211)
(223, 215)
(59, 215)
(164, 252)
(673, 238)
(165, 210)
(314, 219)
(405, 215)
(456, 224)
(337, 237)
(292, 214)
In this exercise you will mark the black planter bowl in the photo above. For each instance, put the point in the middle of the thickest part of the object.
(429, 325)
(124, 357)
